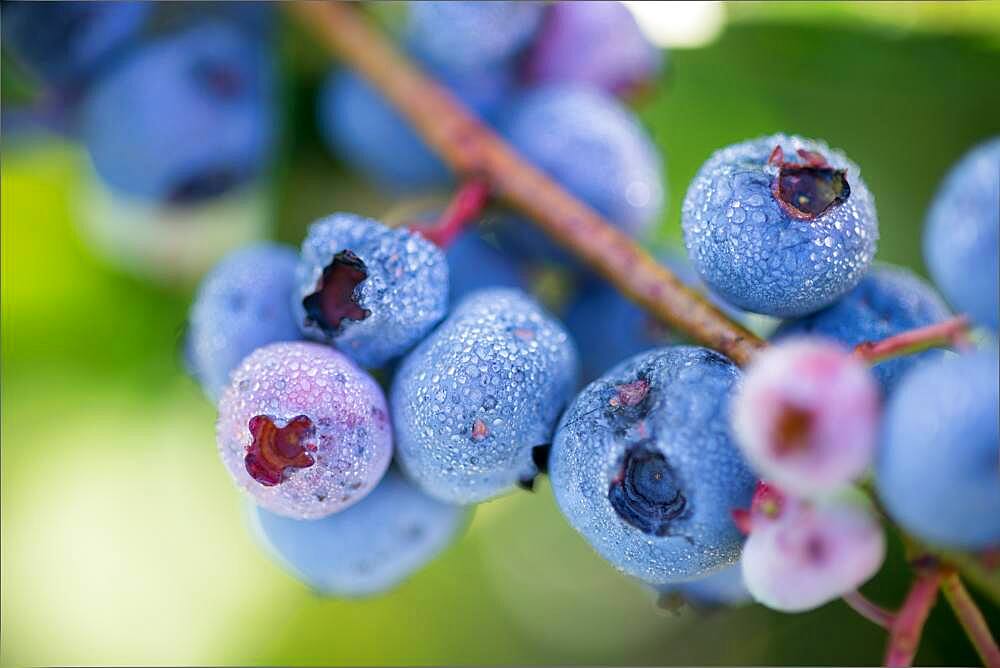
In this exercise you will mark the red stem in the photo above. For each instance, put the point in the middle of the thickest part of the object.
(870, 611)
(904, 635)
(971, 619)
(467, 204)
(947, 333)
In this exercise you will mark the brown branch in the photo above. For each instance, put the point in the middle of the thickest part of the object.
(473, 150)
(947, 333)
(908, 626)
(971, 619)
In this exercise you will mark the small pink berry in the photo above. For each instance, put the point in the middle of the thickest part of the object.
(806, 416)
(808, 553)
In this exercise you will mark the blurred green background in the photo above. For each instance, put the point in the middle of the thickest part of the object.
(123, 540)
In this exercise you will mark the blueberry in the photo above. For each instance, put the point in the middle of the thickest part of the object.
(303, 430)
(802, 554)
(643, 465)
(477, 261)
(780, 225)
(368, 548)
(370, 290)
(937, 466)
(361, 127)
(471, 401)
(721, 588)
(461, 36)
(962, 235)
(609, 327)
(807, 416)
(67, 44)
(185, 118)
(592, 43)
(241, 305)
(592, 146)
(888, 301)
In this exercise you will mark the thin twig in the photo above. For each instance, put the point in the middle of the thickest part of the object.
(870, 611)
(467, 205)
(946, 333)
(904, 636)
(473, 150)
(971, 618)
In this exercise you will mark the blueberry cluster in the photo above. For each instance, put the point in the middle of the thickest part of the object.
(378, 382)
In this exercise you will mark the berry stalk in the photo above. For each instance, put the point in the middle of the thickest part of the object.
(873, 612)
(904, 635)
(947, 333)
(971, 619)
(467, 204)
(473, 150)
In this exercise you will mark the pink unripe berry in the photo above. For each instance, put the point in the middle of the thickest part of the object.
(806, 416)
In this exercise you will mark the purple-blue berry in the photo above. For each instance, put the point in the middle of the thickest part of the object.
(463, 36)
(962, 235)
(721, 588)
(371, 291)
(477, 261)
(471, 402)
(241, 305)
(592, 43)
(66, 44)
(888, 301)
(644, 467)
(184, 118)
(780, 225)
(303, 430)
(589, 143)
(368, 548)
(937, 469)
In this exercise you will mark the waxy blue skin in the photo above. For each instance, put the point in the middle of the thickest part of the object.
(722, 588)
(753, 253)
(476, 262)
(473, 399)
(591, 144)
(364, 129)
(472, 36)
(405, 292)
(593, 43)
(682, 417)
(888, 301)
(66, 44)
(962, 235)
(936, 470)
(241, 305)
(184, 118)
(367, 548)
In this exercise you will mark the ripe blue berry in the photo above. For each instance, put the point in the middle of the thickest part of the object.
(780, 225)
(184, 118)
(370, 290)
(802, 554)
(593, 43)
(241, 305)
(962, 236)
(303, 430)
(592, 146)
(806, 416)
(473, 399)
(474, 36)
(938, 467)
(368, 548)
(888, 301)
(67, 43)
(361, 127)
(644, 468)
(721, 588)
(475, 262)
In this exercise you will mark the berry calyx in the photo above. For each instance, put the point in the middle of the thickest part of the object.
(807, 191)
(646, 492)
(275, 448)
(334, 298)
